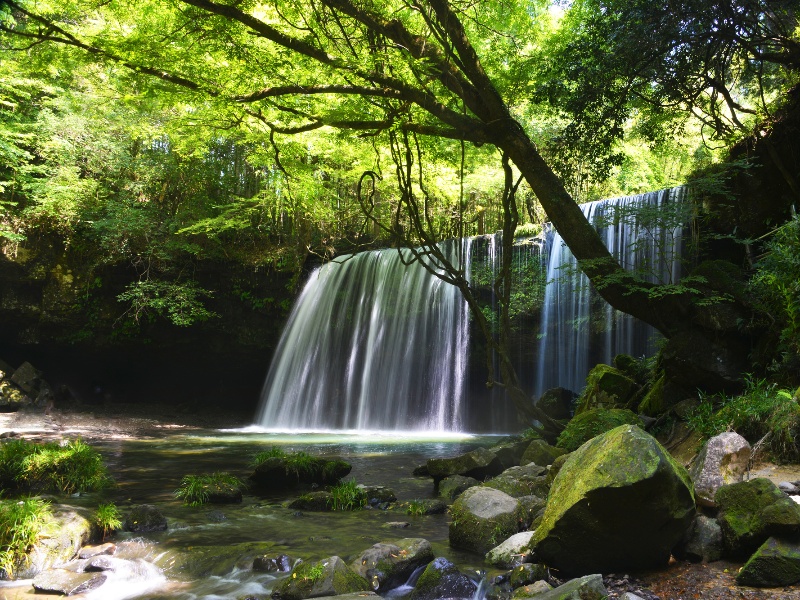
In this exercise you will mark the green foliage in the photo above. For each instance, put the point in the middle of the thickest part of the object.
(195, 490)
(271, 452)
(528, 230)
(592, 423)
(52, 468)
(22, 523)
(107, 518)
(347, 495)
(776, 287)
(179, 302)
(762, 412)
(415, 508)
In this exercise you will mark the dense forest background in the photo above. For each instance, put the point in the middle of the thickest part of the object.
(170, 171)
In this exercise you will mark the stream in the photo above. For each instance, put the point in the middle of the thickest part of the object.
(207, 552)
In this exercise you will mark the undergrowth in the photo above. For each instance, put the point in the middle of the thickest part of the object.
(107, 519)
(195, 490)
(347, 495)
(22, 523)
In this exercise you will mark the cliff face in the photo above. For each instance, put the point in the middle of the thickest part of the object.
(64, 316)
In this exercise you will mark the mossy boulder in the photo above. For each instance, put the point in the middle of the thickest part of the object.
(510, 453)
(451, 487)
(483, 517)
(776, 563)
(320, 501)
(527, 574)
(479, 463)
(541, 453)
(66, 534)
(752, 511)
(511, 552)
(557, 403)
(619, 502)
(653, 404)
(442, 579)
(387, 565)
(327, 577)
(529, 480)
(606, 387)
(145, 518)
(279, 473)
(592, 423)
(589, 587)
(723, 460)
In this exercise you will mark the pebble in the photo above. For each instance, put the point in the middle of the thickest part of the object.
(789, 488)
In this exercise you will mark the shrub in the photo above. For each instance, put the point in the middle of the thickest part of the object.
(347, 496)
(107, 518)
(52, 468)
(22, 523)
(196, 489)
(271, 452)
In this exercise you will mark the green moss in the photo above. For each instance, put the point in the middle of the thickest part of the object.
(653, 403)
(605, 387)
(592, 423)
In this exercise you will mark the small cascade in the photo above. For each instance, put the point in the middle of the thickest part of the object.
(372, 344)
(578, 328)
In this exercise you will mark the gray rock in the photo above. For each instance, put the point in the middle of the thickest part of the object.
(442, 579)
(90, 551)
(631, 596)
(70, 533)
(528, 480)
(27, 378)
(510, 453)
(512, 552)
(776, 563)
(378, 494)
(145, 518)
(788, 487)
(526, 574)
(106, 563)
(387, 565)
(66, 583)
(536, 588)
(480, 464)
(722, 461)
(451, 487)
(327, 577)
(541, 453)
(397, 524)
(703, 542)
(482, 518)
(589, 587)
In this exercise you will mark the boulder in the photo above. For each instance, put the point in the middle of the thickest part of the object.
(70, 531)
(482, 518)
(532, 590)
(752, 511)
(722, 461)
(510, 453)
(27, 378)
(529, 480)
(653, 404)
(541, 453)
(145, 518)
(451, 487)
(776, 563)
(619, 502)
(284, 472)
(12, 398)
(387, 565)
(512, 552)
(268, 563)
(532, 511)
(557, 403)
(313, 501)
(377, 494)
(589, 587)
(592, 423)
(442, 579)
(327, 577)
(703, 541)
(479, 463)
(606, 387)
(527, 574)
(66, 583)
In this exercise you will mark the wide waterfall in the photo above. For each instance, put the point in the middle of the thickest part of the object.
(372, 343)
(375, 344)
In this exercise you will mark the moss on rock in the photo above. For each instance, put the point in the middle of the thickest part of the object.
(606, 387)
(482, 518)
(592, 423)
(776, 563)
(327, 577)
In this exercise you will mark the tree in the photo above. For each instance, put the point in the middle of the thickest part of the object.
(389, 71)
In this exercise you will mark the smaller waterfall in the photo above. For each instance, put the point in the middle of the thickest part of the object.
(372, 344)
(644, 233)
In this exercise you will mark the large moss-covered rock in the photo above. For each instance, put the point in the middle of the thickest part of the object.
(327, 577)
(479, 463)
(752, 511)
(67, 533)
(593, 422)
(387, 565)
(606, 387)
(619, 502)
(723, 460)
(284, 472)
(541, 453)
(557, 403)
(442, 579)
(510, 453)
(653, 403)
(529, 480)
(775, 563)
(145, 518)
(452, 487)
(482, 518)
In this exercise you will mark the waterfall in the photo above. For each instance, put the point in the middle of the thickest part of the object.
(372, 344)
(579, 329)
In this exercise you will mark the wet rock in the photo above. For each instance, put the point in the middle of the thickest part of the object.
(557, 403)
(397, 524)
(527, 574)
(589, 587)
(90, 551)
(703, 541)
(451, 487)
(378, 494)
(106, 563)
(267, 563)
(534, 589)
(480, 464)
(606, 387)
(313, 501)
(387, 565)
(66, 583)
(541, 453)
(529, 480)
(442, 579)
(592, 423)
(482, 517)
(512, 552)
(722, 461)
(327, 577)
(752, 511)
(618, 489)
(776, 563)
(145, 518)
